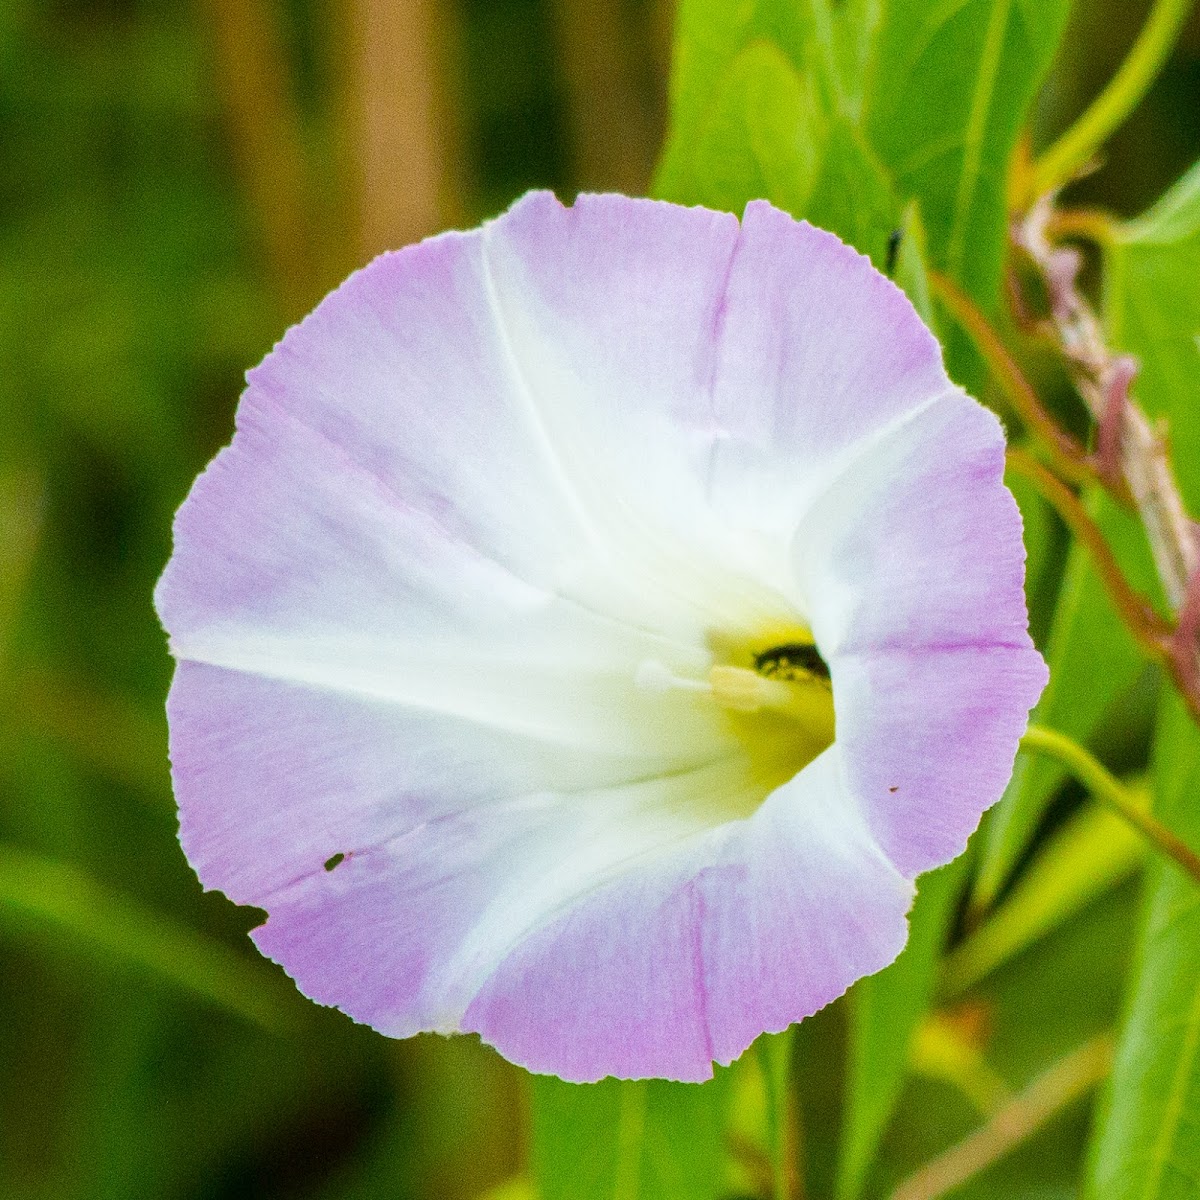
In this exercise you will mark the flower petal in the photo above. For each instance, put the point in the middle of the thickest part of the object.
(613, 310)
(481, 879)
(819, 355)
(274, 778)
(354, 595)
(497, 380)
(917, 543)
(489, 481)
(619, 956)
(688, 960)
(371, 667)
(913, 570)
(929, 738)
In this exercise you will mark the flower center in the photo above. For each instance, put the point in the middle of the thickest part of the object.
(775, 695)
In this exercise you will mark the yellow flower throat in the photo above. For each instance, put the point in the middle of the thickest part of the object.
(776, 698)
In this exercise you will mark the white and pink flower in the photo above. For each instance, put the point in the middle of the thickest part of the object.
(597, 622)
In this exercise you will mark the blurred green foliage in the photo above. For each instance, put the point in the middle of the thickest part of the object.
(147, 1051)
(1147, 1143)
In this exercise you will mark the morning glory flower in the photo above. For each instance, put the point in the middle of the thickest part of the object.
(596, 623)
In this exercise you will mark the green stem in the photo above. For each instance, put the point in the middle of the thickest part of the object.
(1068, 1080)
(1087, 224)
(631, 1125)
(1094, 851)
(1059, 165)
(775, 1052)
(1106, 788)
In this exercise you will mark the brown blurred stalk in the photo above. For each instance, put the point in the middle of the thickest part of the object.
(22, 502)
(253, 80)
(398, 118)
(610, 108)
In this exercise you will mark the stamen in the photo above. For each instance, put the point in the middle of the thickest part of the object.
(804, 697)
(747, 691)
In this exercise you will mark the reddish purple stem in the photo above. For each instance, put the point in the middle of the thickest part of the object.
(1119, 377)
(1185, 642)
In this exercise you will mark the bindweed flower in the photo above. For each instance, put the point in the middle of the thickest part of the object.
(597, 622)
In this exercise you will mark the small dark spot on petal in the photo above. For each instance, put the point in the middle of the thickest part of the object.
(894, 789)
(334, 861)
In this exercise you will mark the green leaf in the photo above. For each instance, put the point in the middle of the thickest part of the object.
(911, 271)
(759, 110)
(949, 87)
(886, 1010)
(1147, 1145)
(38, 891)
(1045, 548)
(776, 1053)
(1038, 1006)
(926, 100)
(1148, 1140)
(853, 197)
(757, 113)
(709, 36)
(647, 1140)
(760, 137)
(1152, 309)
(1093, 663)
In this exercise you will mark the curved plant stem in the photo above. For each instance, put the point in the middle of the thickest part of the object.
(1109, 790)
(1103, 380)
(1069, 456)
(1148, 628)
(1094, 851)
(1060, 164)
(776, 1058)
(1184, 661)
(1089, 224)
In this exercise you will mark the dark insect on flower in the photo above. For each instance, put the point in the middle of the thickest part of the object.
(792, 660)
